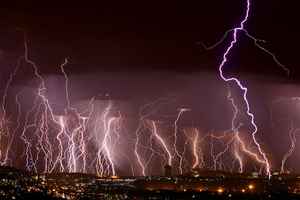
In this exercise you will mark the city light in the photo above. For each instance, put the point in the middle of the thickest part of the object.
(251, 187)
(220, 190)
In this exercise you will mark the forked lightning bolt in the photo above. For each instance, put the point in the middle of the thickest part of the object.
(234, 33)
(52, 142)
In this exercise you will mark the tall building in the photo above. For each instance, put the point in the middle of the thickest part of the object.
(254, 174)
(168, 171)
(276, 175)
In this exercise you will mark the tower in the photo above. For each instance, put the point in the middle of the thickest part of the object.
(168, 171)
(30, 164)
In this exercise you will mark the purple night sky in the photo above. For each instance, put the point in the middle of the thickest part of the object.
(144, 60)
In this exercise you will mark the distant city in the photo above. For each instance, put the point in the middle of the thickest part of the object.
(198, 184)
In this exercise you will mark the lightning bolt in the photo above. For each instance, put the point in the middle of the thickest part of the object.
(175, 140)
(244, 89)
(160, 139)
(57, 142)
(292, 135)
(292, 130)
(136, 145)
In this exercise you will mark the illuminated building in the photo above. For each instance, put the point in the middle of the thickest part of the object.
(275, 175)
(254, 174)
(196, 172)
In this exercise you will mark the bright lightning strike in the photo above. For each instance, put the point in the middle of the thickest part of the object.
(234, 33)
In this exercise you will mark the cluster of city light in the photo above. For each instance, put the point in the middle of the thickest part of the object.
(250, 188)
